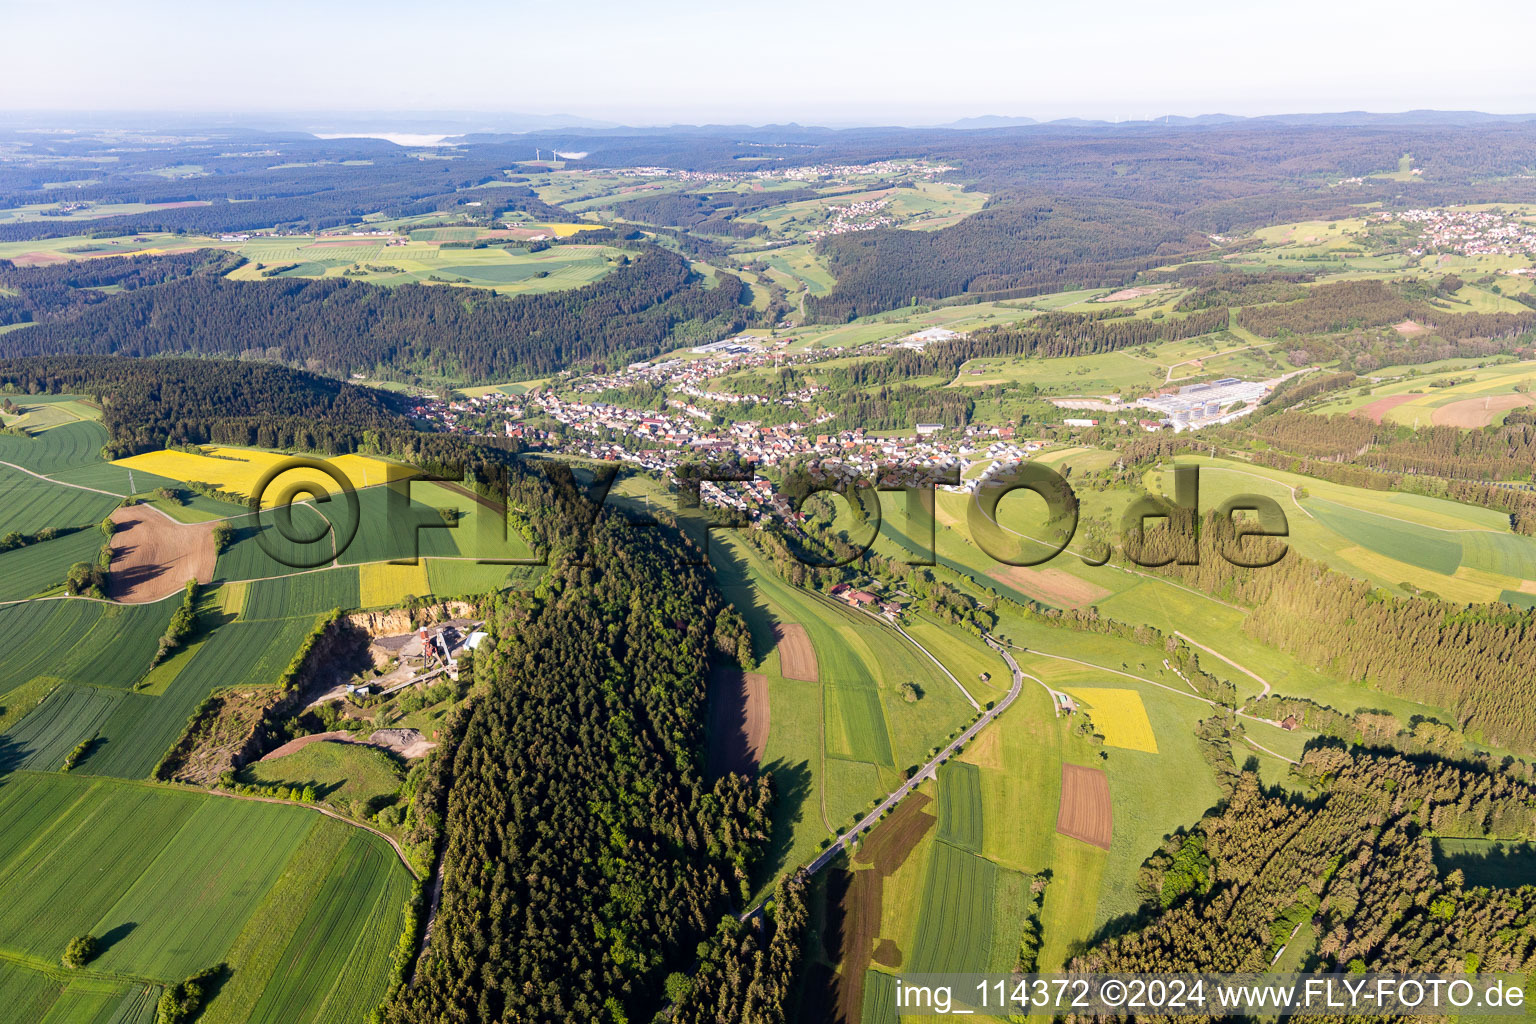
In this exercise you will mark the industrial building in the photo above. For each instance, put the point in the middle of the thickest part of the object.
(1204, 405)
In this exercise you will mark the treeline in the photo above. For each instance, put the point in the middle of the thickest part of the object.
(1299, 389)
(1050, 335)
(1217, 288)
(1351, 305)
(344, 327)
(1357, 860)
(1303, 440)
(31, 294)
(150, 404)
(1472, 660)
(900, 408)
(1333, 306)
(1023, 246)
(1363, 727)
(585, 856)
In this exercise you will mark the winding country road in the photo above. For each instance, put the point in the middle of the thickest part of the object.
(927, 771)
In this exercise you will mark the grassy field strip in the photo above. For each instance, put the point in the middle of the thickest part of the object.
(178, 878)
(29, 502)
(960, 809)
(68, 716)
(221, 861)
(27, 801)
(958, 685)
(41, 905)
(90, 642)
(956, 920)
(313, 964)
(1409, 522)
(1437, 513)
(256, 951)
(1110, 565)
(39, 992)
(66, 447)
(36, 568)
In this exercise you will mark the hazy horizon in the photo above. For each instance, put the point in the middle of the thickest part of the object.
(800, 62)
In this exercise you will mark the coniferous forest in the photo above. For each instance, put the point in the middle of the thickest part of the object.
(585, 856)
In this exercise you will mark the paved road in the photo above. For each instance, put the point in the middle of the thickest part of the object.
(929, 770)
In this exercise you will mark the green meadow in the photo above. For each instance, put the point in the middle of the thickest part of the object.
(180, 882)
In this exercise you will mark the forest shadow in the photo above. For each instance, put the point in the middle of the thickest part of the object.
(734, 579)
(12, 754)
(792, 788)
(1489, 862)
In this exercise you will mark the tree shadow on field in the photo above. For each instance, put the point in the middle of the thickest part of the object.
(11, 755)
(734, 578)
(214, 984)
(792, 788)
(114, 935)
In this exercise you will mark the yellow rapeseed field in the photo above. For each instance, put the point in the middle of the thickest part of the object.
(383, 585)
(1119, 715)
(239, 470)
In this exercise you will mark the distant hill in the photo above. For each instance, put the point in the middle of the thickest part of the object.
(988, 121)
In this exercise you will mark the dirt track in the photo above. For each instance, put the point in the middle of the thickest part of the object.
(153, 556)
(738, 721)
(797, 658)
(1084, 812)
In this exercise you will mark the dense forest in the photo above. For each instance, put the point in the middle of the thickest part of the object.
(34, 294)
(149, 404)
(1473, 660)
(1313, 443)
(585, 854)
(749, 972)
(1013, 250)
(342, 327)
(1356, 858)
(1046, 336)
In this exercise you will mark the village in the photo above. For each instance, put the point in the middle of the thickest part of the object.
(803, 172)
(1469, 232)
(862, 216)
(693, 422)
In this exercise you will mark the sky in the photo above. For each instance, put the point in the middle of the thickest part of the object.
(809, 61)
